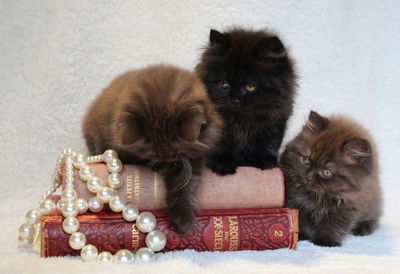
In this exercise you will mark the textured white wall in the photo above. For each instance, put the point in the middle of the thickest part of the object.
(56, 56)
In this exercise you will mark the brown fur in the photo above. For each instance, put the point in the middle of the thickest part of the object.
(350, 200)
(161, 117)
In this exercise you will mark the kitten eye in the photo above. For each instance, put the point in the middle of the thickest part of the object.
(224, 84)
(305, 161)
(326, 173)
(250, 87)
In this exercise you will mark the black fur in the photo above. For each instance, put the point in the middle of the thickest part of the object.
(254, 123)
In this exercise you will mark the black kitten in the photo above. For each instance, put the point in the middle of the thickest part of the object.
(251, 79)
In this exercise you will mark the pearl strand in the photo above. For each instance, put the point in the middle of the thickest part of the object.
(71, 206)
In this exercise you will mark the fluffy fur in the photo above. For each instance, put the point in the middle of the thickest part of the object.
(250, 77)
(331, 173)
(160, 117)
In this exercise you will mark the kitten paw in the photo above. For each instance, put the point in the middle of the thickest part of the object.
(265, 162)
(266, 165)
(182, 218)
(222, 169)
(222, 164)
(326, 242)
(364, 228)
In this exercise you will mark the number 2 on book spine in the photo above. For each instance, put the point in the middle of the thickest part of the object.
(278, 233)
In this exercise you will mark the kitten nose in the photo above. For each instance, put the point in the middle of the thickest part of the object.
(309, 177)
(235, 101)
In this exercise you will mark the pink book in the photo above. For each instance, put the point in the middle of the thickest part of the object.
(248, 188)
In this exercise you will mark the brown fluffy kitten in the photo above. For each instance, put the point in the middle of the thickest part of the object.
(160, 117)
(331, 173)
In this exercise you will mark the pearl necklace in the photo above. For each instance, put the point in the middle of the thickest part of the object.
(71, 205)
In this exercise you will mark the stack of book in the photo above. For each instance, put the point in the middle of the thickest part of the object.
(243, 211)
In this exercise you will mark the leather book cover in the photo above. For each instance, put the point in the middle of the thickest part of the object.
(215, 230)
(248, 188)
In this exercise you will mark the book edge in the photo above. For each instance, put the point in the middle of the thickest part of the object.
(293, 229)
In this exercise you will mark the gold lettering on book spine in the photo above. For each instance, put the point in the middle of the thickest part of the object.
(233, 233)
(218, 233)
(136, 189)
(129, 189)
(135, 238)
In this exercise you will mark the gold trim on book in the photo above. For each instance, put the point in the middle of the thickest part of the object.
(295, 225)
(42, 242)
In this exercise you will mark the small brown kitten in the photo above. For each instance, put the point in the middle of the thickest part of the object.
(331, 173)
(160, 117)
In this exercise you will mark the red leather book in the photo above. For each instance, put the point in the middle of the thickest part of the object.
(248, 188)
(215, 230)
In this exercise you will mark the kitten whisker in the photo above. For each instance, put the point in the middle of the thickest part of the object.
(184, 176)
(152, 164)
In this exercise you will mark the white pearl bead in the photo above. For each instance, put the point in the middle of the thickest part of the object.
(69, 209)
(89, 253)
(123, 256)
(114, 165)
(47, 206)
(95, 205)
(130, 213)
(105, 194)
(82, 205)
(25, 242)
(117, 204)
(109, 154)
(70, 174)
(69, 195)
(79, 160)
(26, 231)
(67, 151)
(33, 216)
(94, 184)
(146, 222)
(105, 256)
(70, 225)
(156, 240)
(77, 240)
(69, 180)
(114, 180)
(145, 254)
(86, 172)
(60, 204)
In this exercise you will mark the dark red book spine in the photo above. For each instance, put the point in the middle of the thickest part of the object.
(215, 230)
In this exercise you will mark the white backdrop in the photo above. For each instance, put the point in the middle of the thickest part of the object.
(56, 56)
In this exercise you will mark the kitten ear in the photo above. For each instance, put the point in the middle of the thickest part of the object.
(315, 124)
(219, 42)
(190, 124)
(357, 150)
(270, 47)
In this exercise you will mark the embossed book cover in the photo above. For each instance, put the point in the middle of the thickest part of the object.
(215, 230)
(249, 188)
